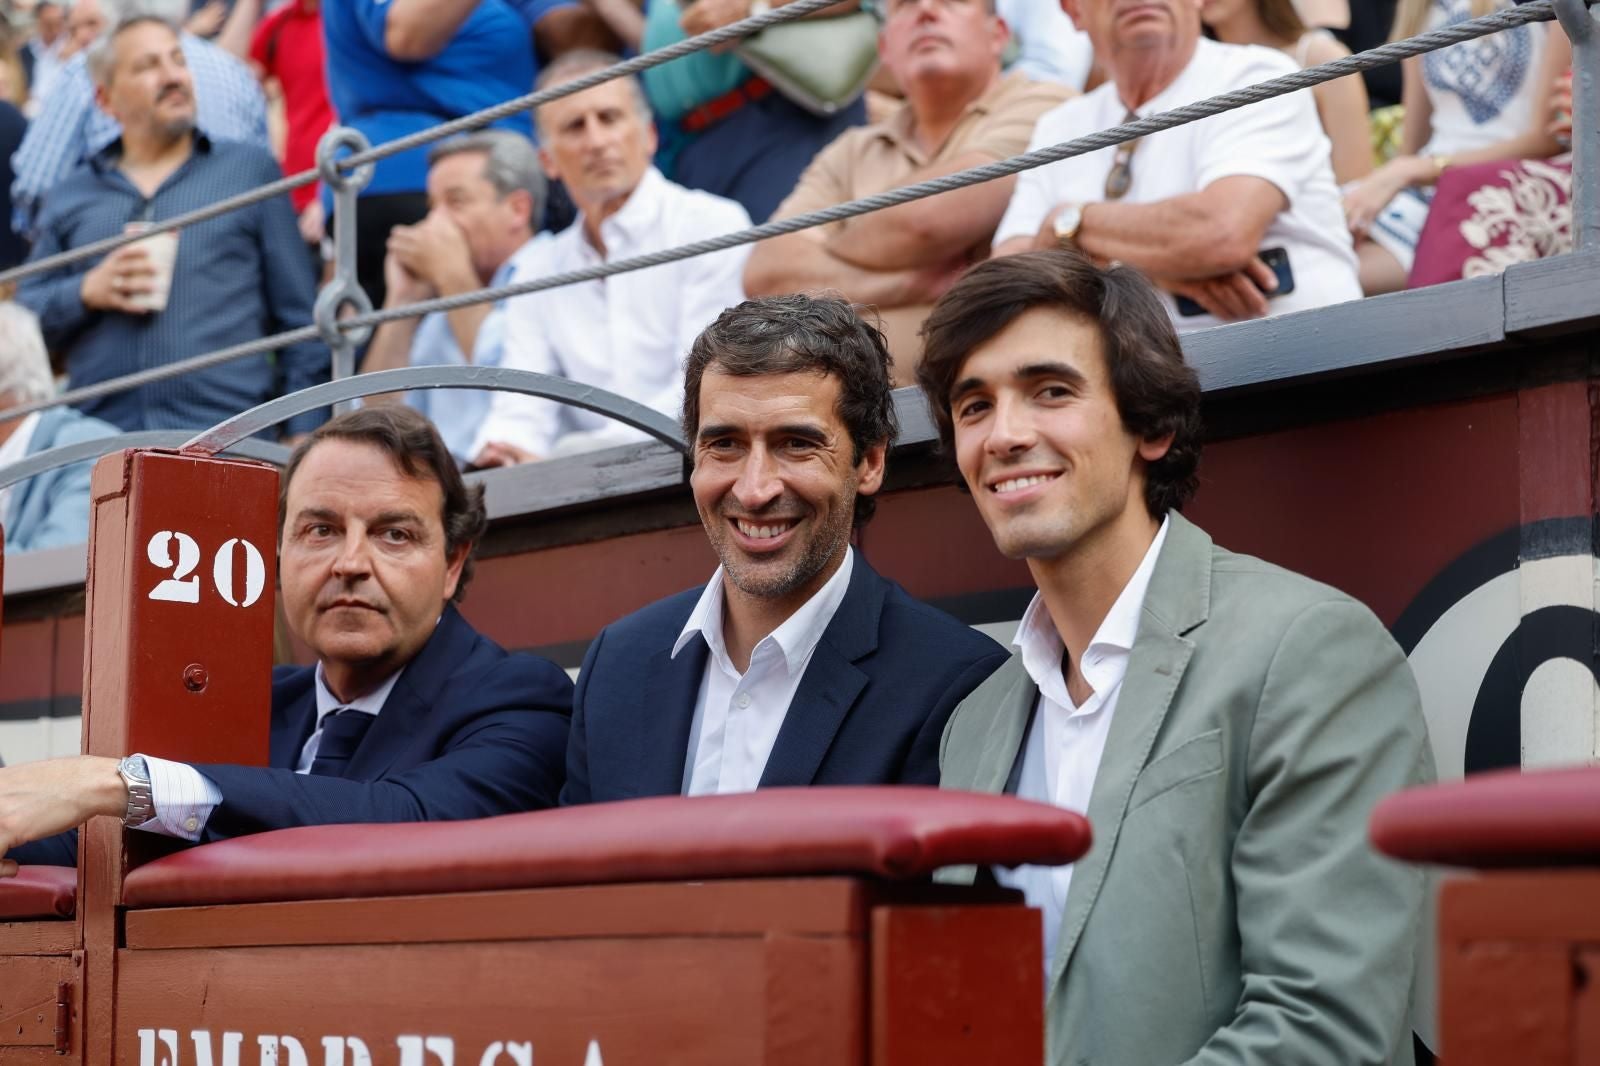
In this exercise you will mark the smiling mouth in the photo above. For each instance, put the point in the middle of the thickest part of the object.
(764, 530)
(1017, 484)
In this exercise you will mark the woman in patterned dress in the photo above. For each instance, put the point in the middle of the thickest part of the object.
(1474, 102)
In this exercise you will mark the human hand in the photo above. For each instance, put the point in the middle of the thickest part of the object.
(402, 287)
(208, 20)
(1561, 110)
(500, 453)
(40, 799)
(313, 222)
(703, 16)
(924, 285)
(1367, 198)
(437, 252)
(1231, 297)
(118, 282)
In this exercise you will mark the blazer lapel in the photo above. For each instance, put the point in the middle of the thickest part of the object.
(413, 695)
(292, 728)
(998, 766)
(1177, 600)
(660, 736)
(831, 683)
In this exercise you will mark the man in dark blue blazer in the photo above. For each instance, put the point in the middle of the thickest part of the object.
(409, 714)
(797, 664)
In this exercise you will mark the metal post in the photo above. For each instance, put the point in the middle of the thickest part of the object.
(343, 292)
(1579, 22)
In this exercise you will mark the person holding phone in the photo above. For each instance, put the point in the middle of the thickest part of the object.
(1236, 216)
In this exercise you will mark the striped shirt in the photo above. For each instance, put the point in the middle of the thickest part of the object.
(237, 278)
(71, 128)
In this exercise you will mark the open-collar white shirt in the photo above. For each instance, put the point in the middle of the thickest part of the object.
(14, 450)
(737, 716)
(1066, 741)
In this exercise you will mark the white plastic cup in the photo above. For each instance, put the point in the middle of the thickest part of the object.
(162, 251)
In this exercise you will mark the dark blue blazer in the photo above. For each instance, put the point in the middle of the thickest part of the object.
(870, 708)
(468, 731)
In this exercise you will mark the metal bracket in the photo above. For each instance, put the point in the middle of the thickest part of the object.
(343, 292)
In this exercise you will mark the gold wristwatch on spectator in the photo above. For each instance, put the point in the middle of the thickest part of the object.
(1068, 220)
(1439, 163)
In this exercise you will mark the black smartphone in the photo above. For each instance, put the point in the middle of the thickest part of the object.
(1277, 260)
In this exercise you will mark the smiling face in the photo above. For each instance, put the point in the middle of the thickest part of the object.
(147, 86)
(937, 40)
(599, 142)
(775, 480)
(1041, 444)
(363, 563)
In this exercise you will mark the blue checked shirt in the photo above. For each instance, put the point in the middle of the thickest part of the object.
(72, 129)
(237, 278)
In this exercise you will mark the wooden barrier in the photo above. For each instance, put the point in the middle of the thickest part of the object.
(1519, 941)
(784, 928)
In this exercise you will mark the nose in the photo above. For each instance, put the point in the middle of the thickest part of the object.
(1011, 430)
(354, 560)
(758, 483)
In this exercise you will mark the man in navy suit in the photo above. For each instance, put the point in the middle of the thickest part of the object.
(409, 715)
(796, 664)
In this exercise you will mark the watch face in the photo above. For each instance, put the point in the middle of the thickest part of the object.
(135, 767)
(1067, 221)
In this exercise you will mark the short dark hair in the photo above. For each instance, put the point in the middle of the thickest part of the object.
(798, 334)
(1156, 391)
(416, 447)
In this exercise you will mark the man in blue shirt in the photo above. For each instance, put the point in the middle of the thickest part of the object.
(71, 130)
(486, 193)
(236, 278)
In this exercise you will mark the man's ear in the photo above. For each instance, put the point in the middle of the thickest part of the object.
(1074, 12)
(869, 471)
(102, 101)
(548, 161)
(1152, 449)
(457, 561)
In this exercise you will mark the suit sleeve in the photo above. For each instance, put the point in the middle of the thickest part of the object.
(922, 763)
(576, 790)
(1327, 926)
(506, 758)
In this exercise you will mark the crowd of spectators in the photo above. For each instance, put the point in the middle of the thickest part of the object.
(118, 113)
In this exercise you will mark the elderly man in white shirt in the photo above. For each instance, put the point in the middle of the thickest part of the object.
(1235, 216)
(626, 334)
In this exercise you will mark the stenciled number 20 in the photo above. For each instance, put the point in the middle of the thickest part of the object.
(181, 587)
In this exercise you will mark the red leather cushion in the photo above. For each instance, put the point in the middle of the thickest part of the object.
(1499, 819)
(39, 892)
(879, 832)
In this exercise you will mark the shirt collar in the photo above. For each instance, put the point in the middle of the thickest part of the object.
(636, 217)
(1105, 659)
(507, 270)
(16, 446)
(107, 158)
(371, 703)
(795, 639)
(1179, 92)
(899, 127)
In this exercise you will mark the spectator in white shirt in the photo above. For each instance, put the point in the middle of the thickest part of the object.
(45, 51)
(1203, 208)
(627, 334)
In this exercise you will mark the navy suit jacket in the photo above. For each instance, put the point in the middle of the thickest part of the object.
(870, 708)
(468, 731)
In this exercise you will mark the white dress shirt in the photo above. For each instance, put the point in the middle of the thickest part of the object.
(184, 797)
(627, 334)
(1280, 141)
(14, 450)
(737, 716)
(1066, 740)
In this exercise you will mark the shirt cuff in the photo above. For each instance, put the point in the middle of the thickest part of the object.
(184, 799)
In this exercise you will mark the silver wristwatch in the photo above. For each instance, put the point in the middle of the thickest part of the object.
(141, 804)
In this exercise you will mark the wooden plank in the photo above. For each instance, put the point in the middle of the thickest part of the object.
(1538, 907)
(816, 996)
(807, 907)
(50, 937)
(1380, 331)
(957, 985)
(697, 1001)
(1552, 296)
(538, 488)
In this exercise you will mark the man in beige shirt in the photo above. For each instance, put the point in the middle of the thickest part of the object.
(959, 112)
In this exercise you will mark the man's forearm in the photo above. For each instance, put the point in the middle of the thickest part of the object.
(419, 29)
(934, 229)
(241, 24)
(390, 350)
(1176, 238)
(799, 264)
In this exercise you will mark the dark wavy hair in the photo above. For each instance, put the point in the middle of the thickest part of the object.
(410, 439)
(1156, 391)
(799, 333)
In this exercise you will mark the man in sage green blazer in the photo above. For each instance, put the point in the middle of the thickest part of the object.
(1226, 725)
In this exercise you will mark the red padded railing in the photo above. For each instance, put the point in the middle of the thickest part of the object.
(893, 833)
(39, 892)
(1500, 819)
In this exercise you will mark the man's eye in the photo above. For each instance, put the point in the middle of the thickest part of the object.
(971, 409)
(1055, 392)
(395, 536)
(319, 529)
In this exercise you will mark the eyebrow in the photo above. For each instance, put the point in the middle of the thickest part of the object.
(383, 518)
(815, 434)
(1027, 372)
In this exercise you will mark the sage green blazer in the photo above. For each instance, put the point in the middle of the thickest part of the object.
(1230, 909)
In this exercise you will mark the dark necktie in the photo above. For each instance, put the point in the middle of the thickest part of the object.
(342, 731)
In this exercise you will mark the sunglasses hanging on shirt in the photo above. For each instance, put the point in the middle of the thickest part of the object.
(1120, 180)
